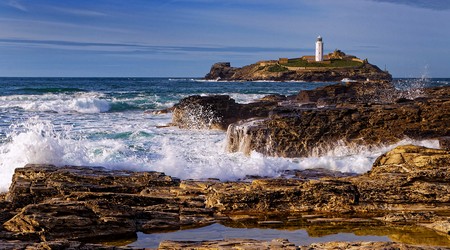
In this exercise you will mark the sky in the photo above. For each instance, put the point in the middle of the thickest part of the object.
(183, 38)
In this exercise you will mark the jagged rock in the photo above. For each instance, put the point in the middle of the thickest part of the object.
(82, 203)
(221, 71)
(59, 219)
(352, 92)
(216, 112)
(407, 175)
(313, 122)
(296, 131)
(282, 195)
(409, 184)
(35, 183)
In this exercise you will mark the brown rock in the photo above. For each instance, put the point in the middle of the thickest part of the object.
(292, 131)
(444, 142)
(409, 184)
(228, 244)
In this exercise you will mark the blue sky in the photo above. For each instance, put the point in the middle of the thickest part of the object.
(184, 37)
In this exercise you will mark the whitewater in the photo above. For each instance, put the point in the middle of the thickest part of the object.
(103, 122)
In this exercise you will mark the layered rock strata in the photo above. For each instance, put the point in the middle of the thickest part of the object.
(45, 203)
(315, 121)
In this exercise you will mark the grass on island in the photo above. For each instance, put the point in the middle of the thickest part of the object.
(335, 63)
(277, 68)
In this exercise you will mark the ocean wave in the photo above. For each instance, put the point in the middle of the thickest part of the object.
(54, 90)
(40, 141)
(183, 79)
(59, 103)
(86, 105)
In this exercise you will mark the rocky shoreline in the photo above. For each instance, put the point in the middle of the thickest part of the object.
(63, 205)
(314, 121)
(74, 207)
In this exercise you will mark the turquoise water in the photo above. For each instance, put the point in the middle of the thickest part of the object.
(102, 122)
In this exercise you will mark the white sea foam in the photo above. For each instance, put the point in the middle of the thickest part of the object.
(60, 103)
(41, 142)
(131, 141)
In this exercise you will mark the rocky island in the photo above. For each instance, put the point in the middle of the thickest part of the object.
(335, 67)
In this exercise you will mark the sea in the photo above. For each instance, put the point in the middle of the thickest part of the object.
(109, 122)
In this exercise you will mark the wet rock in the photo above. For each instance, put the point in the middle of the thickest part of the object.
(228, 244)
(295, 131)
(442, 226)
(35, 183)
(409, 217)
(367, 245)
(217, 111)
(316, 173)
(444, 142)
(285, 244)
(51, 220)
(407, 175)
(282, 196)
(316, 121)
(352, 92)
(81, 203)
(62, 244)
(409, 184)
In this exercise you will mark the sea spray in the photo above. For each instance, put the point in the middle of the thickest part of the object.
(60, 103)
(39, 141)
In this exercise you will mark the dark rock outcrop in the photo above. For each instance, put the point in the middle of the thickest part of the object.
(345, 115)
(218, 111)
(221, 70)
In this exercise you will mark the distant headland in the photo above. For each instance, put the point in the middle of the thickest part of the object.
(335, 66)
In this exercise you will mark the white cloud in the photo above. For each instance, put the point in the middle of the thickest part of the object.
(17, 5)
(79, 12)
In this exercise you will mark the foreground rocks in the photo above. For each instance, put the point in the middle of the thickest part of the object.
(409, 185)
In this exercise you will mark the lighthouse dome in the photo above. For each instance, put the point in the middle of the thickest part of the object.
(319, 38)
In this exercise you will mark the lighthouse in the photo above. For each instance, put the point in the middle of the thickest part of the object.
(319, 49)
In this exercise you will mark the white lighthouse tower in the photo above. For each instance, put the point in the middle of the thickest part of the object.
(319, 49)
